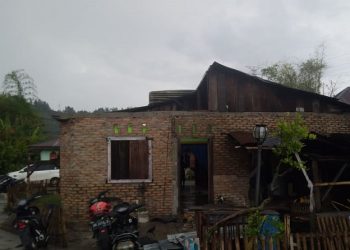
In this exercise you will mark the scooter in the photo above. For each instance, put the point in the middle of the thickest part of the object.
(29, 225)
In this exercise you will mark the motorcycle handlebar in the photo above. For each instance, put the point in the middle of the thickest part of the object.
(33, 198)
(102, 194)
(134, 207)
(101, 197)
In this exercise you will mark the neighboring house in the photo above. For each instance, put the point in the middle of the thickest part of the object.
(344, 95)
(145, 153)
(47, 149)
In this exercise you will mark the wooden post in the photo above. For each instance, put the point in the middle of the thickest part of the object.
(287, 234)
(62, 228)
(317, 189)
(291, 242)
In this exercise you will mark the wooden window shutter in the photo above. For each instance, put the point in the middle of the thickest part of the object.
(120, 160)
(138, 159)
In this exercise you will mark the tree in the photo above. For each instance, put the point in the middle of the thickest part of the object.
(20, 126)
(101, 110)
(19, 83)
(69, 110)
(306, 75)
(291, 134)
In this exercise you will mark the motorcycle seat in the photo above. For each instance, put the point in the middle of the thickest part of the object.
(121, 208)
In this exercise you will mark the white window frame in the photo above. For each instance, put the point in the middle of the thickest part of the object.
(129, 138)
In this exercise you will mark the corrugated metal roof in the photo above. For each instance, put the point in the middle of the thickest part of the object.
(54, 143)
(165, 95)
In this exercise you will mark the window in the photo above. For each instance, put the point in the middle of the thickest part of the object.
(129, 159)
(43, 167)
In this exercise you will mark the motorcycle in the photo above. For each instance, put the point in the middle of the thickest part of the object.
(101, 220)
(29, 224)
(125, 227)
(114, 228)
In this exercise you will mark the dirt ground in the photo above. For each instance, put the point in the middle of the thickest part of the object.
(79, 236)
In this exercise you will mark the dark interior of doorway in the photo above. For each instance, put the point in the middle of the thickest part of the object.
(194, 175)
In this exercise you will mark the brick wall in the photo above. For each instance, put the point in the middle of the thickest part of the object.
(230, 165)
(84, 160)
(84, 154)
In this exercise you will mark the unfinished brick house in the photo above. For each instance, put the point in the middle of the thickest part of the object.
(142, 154)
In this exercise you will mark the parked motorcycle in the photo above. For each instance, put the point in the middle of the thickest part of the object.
(114, 228)
(29, 224)
(125, 232)
(101, 220)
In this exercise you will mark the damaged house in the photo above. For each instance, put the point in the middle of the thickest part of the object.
(187, 148)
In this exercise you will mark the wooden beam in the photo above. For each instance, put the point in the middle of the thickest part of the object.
(320, 158)
(325, 184)
(317, 180)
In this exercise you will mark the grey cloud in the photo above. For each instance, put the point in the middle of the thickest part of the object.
(90, 54)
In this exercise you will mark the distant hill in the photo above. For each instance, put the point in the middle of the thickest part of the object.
(51, 126)
(51, 129)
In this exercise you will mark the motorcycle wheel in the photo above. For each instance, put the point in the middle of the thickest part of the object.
(103, 241)
(127, 245)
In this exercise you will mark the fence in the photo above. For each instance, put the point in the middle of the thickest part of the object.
(21, 190)
(335, 241)
(333, 232)
(217, 231)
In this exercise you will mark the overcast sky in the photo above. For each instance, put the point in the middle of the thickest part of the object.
(90, 54)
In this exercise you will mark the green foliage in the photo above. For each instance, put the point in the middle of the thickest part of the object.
(20, 126)
(255, 225)
(19, 83)
(291, 134)
(284, 73)
(255, 221)
(310, 74)
(306, 75)
(49, 199)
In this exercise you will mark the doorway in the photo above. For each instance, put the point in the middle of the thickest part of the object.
(194, 169)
